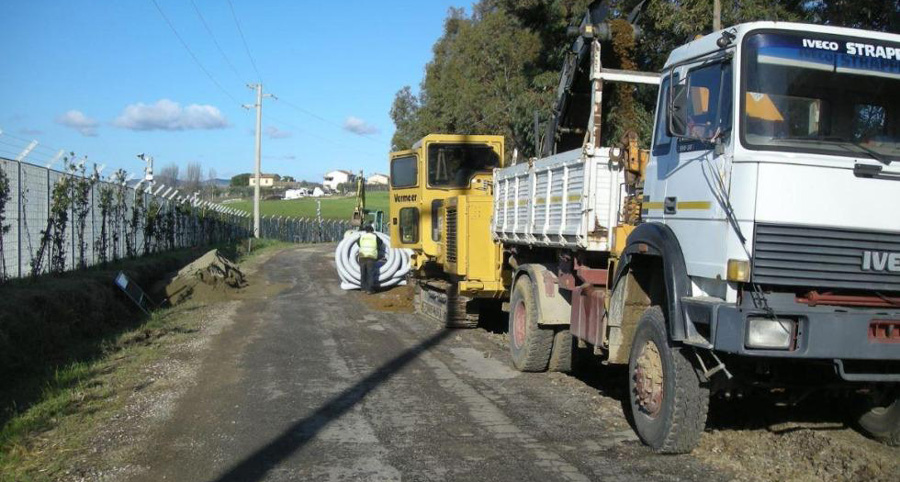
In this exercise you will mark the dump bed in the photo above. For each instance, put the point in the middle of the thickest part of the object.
(569, 200)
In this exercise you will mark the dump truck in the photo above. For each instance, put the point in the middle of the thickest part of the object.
(754, 245)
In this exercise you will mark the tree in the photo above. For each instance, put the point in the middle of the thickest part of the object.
(288, 179)
(492, 69)
(212, 176)
(241, 180)
(192, 177)
(404, 113)
(168, 175)
(881, 15)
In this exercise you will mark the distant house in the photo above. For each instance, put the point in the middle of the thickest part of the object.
(377, 178)
(265, 180)
(296, 193)
(335, 178)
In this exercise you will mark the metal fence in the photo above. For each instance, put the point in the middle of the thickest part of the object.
(302, 230)
(55, 221)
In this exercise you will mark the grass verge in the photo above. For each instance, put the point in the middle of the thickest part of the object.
(332, 207)
(53, 406)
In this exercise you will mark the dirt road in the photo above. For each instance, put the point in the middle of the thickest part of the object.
(312, 384)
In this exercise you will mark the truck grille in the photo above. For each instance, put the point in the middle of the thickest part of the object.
(450, 222)
(824, 258)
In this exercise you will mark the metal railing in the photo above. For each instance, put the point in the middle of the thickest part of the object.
(54, 221)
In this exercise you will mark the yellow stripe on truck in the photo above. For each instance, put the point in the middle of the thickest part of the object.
(685, 205)
(695, 205)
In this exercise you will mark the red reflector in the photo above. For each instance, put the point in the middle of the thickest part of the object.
(884, 331)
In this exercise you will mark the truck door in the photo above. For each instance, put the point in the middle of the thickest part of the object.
(696, 167)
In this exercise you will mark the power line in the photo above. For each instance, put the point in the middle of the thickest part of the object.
(191, 52)
(215, 41)
(244, 40)
(302, 131)
(329, 122)
(27, 141)
(237, 24)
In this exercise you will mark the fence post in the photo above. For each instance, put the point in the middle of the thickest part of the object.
(21, 216)
(93, 229)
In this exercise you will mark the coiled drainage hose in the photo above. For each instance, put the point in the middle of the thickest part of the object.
(391, 272)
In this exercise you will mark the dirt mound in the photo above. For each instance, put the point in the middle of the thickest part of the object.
(809, 442)
(203, 278)
(398, 299)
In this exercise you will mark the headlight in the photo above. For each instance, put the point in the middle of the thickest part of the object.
(769, 333)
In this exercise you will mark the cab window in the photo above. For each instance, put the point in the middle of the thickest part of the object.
(709, 105)
(404, 172)
(409, 225)
(662, 142)
(454, 165)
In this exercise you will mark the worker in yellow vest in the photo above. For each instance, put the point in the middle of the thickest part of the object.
(369, 247)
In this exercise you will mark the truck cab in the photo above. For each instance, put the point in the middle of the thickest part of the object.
(438, 167)
(775, 167)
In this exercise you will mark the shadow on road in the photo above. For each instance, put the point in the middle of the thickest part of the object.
(255, 466)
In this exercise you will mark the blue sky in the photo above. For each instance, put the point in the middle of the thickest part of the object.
(109, 79)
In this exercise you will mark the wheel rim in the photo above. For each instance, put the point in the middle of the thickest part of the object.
(519, 325)
(648, 380)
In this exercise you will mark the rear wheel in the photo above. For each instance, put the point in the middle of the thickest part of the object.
(529, 344)
(668, 401)
(880, 419)
(561, 353)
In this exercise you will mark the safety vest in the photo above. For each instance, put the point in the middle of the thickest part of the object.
(368, 246)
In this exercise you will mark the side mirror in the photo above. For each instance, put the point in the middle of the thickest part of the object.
(678, 110)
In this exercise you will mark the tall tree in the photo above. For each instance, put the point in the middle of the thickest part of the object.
(192, 177)
(241, 180)
(405, 114)
(492, 69)
(168, 175)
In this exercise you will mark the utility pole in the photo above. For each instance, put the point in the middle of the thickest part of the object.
(717, 15)
(256, 175)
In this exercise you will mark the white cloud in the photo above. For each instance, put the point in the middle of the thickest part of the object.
(275, 133)
(80, 122)
(167, 115)
(359, 126)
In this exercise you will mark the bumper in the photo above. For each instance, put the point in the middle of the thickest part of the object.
(823, 333)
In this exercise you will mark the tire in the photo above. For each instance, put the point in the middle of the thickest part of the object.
(669, 415)
(561, 353)
(881, 421)
(529, 344)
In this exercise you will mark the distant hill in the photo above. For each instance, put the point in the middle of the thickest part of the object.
(218, 182)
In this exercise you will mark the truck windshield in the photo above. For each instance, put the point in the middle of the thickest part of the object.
(454, 165)
(821, 94)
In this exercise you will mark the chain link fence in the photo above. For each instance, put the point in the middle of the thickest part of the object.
(53, 221)
(302, 230)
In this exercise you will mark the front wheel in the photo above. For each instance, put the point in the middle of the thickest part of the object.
(880, 419)
(668, 401)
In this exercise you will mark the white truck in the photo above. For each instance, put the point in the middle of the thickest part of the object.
(757, 243)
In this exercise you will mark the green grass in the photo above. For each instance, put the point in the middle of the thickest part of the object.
(332, 207)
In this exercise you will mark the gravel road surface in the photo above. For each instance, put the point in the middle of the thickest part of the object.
(310, 383)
